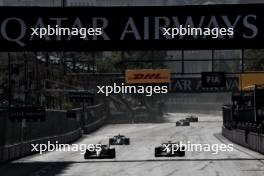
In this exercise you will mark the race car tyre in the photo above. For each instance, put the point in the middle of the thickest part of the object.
(157, 152)
(181, 153)
(127, 141)
(112, 153)
(111, 141)
(87, 154)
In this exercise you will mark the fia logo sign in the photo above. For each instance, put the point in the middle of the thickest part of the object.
(213, 79)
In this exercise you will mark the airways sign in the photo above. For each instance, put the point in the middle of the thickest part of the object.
(148, 76)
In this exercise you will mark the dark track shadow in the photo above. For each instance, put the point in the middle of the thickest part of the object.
(55, 168)
(33, 168)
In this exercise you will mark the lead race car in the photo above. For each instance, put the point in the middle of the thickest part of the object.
(105, 153)
(192, 118)
(170, 149)
(183, 122)
(119, 140)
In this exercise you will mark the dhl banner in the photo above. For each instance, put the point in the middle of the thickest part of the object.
(147, 76)
(249, 79)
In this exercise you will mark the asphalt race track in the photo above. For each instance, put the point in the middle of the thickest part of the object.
(138, 158)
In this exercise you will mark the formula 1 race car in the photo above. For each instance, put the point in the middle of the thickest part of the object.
(183, 122)
(105, 153)
(170, 150)
(119, 140)
(192, 118)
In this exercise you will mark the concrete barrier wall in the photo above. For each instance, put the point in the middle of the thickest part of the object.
(16, 138)
(94, 126)
(18, 150)
(94, 117)
(56, 123)
(253, 141)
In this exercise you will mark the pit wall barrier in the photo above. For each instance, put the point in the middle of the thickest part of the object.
(16, 137)
(249, 140)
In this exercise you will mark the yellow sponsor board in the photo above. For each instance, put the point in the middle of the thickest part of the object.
(248, 79)
(148, 76)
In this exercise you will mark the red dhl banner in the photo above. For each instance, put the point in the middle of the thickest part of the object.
(148, 76)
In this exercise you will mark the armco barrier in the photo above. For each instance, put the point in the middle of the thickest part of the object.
(250, 140)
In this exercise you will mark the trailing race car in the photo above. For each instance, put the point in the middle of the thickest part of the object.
(192, 118)
(170, 150)
(119, 140)
(105, 153)
(183, 122)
